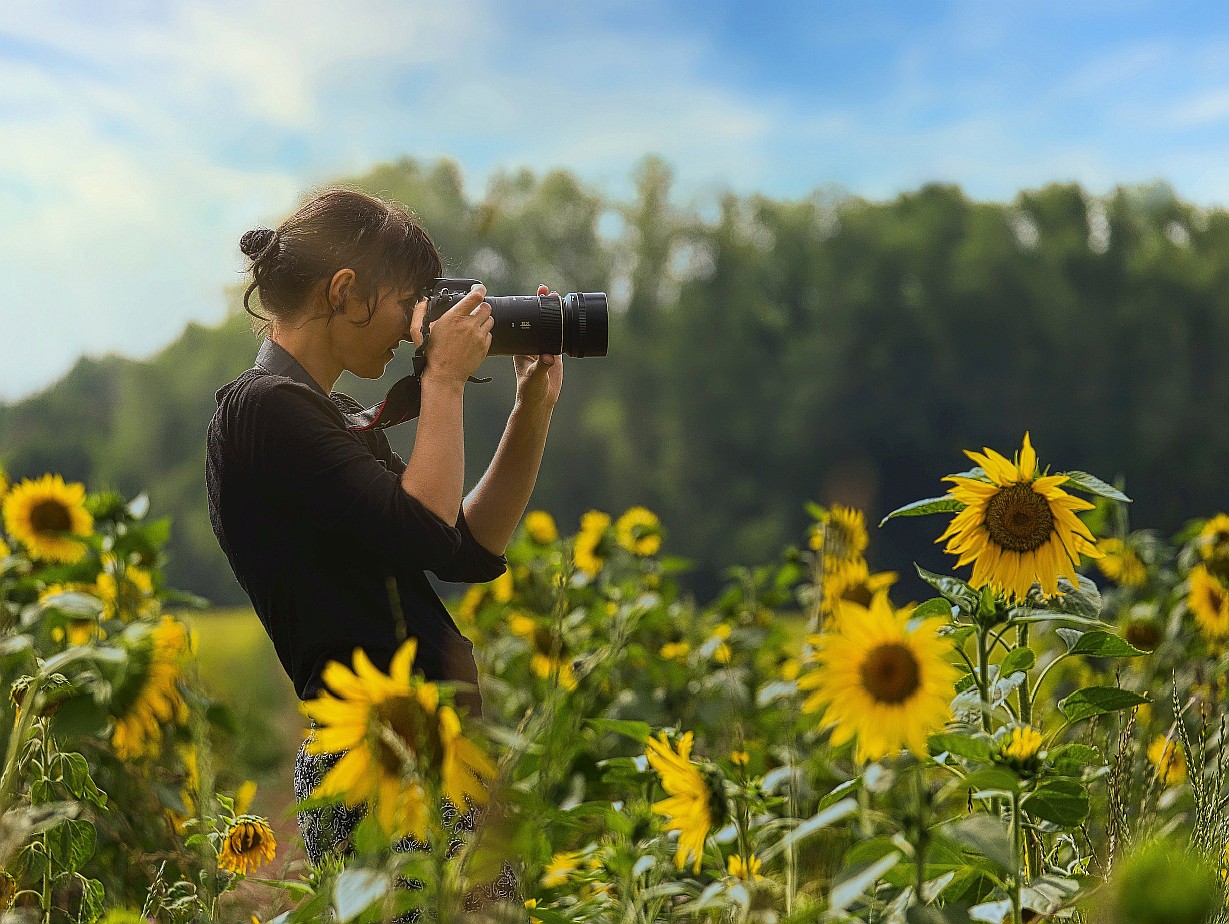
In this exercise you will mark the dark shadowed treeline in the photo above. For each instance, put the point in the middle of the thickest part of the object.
(762, 353)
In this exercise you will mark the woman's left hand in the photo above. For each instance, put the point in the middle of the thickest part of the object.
(538, 378)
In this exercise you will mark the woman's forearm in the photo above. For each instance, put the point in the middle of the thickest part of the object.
(435, 472)
(495, 507)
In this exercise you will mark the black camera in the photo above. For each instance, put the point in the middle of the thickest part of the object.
(575, 324)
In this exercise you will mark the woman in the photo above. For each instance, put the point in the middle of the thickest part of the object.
(327, 529)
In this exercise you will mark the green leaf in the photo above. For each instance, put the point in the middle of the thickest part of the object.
(960, 745)
(637, 731)
(953, 589)
(71, 844)
(79, 717)
(356, 890)
(987, 836)
(1094, 485)
(1074, 759)
(935, 608)
(1018, 659)
(1099, 644)
(945, 504)
(1090, 701)
(1063, 802)
(846, 892)
(816, 822)
(990, 780)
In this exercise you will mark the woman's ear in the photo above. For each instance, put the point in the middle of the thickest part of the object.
(339, 288)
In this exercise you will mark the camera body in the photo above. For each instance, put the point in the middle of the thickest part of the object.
(575, 324)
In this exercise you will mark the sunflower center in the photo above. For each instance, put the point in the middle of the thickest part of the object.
(859, 594)
(1019, 519)
(400, 714)
(890, 673)
(50, 516)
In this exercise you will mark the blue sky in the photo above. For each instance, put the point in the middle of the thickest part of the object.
(141, 138)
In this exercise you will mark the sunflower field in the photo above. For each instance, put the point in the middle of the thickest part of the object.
(1040, 739)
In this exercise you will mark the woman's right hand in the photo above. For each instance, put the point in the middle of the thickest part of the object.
(460, 338)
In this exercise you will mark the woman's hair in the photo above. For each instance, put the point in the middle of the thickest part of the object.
(337, 228)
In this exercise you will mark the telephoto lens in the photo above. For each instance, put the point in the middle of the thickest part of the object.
(575, 324)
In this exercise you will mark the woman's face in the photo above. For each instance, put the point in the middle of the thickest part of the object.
(369, 347)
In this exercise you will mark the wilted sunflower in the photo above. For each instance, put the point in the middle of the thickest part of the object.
(8, 890)
(1017, 527)
(545, 662)
(690, 807)
(45, 514)
(593, 526)
(881, 681)
(840, 535)
(1208, 601)
(380, 720)
(541, 528)
(249, 844)
(150, 694)
(1121, 563)
(639, 531)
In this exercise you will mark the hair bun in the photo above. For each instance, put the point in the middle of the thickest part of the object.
(255, 242)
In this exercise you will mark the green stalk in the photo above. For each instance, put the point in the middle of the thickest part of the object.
(919, 849)
(17, 744)
(983, 678)
(1026, 705)
(1018, 873)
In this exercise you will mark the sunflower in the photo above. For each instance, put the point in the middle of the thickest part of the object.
(855, 584)
(639, 531)
(1213, 542)
(150, 695)
(840, 534)
(689, 807)
(461, 764)
(46, 515)
(747, 872)
(126, 592)
(1021, 750)
(383, 722)
(593, 526)
(541, 528)
(1168, 759)
(880, 680)
(248, 845)
(675, 651)
(1017, 527)
(560, 868)
(82, 629)
(1208, 600)
(545, 662)
(1121, 563)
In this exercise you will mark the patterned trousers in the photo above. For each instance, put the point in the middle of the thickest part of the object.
(327, 829)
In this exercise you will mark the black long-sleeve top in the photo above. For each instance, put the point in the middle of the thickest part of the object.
(318, 530)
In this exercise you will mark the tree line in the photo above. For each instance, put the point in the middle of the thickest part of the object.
(763, 352)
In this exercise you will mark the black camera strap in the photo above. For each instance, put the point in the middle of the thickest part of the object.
(403, 401)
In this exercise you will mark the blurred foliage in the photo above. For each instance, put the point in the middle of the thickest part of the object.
(761, 351)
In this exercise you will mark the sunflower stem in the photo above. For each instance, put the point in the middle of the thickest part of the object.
(1026, 705)
(919, 848)
(983, 678)
(1018, 873)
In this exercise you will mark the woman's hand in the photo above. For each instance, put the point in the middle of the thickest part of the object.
(538, 378)
(460, 337)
